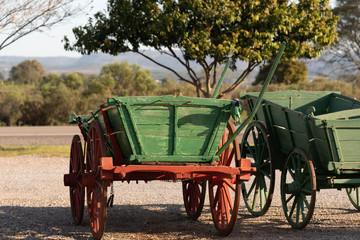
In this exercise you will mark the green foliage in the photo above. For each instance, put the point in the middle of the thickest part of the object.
(125, 80)
(74, 80)
(9, 107)
(207, 32)
(27, 72)
(289, 72)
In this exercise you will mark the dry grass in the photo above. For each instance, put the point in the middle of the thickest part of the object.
(44, 151)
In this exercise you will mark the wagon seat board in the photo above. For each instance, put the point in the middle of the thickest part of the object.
(166, 129)
(324, 124)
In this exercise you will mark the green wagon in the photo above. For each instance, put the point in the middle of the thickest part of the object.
(158, 138)
(313, 138)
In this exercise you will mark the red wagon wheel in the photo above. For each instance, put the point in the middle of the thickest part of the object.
(97, 191)
(77, 193)
(194, 195)
(224, 193)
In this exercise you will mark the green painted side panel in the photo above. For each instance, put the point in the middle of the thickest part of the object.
(283, 139)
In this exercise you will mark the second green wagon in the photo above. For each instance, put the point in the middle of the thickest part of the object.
(313, 138)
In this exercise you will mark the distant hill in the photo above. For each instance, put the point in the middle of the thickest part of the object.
(91, 64)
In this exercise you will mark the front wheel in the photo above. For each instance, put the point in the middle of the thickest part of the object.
(96, 192)
(224, 193)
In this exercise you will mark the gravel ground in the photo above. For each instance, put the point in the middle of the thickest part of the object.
(34, 204)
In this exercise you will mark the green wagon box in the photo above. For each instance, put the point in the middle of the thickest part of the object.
(164, 129)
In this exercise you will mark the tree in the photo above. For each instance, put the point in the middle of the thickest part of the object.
(345, 54)
(27, 72)
(207, 32)
(290, 72)
(74, 80)
(125, 79)
(58, 100)
(18, 18)
(9, 107)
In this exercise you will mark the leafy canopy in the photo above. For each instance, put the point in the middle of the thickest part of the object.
(208, 31)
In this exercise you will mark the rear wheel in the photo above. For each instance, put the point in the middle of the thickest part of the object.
(77, 192)
(354, 196)
(194, 196)
(258, 191)
(97, 191)
(224, 193)
(298, 188)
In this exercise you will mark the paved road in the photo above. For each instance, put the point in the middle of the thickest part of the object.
(44, 135)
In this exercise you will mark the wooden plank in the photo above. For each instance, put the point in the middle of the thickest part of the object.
(152, 114)
(284, 140)
(349, 135)
(301, 141)
(278, 116)
(351, 148)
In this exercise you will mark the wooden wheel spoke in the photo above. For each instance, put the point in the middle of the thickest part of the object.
(302, 211)
(250, 149)
(228, 197)
(252, 187)
(231, 185)
(305, 200)
(264, 189)
(298, 210)
(227, 161)
(305, 181)
(264, 147)
(293, 207)
(289, 198)
(265, 174)
(256, 193)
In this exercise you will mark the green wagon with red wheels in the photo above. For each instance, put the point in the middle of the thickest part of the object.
(158, 138)
(313, 139)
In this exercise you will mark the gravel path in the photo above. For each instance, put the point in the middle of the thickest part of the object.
(34, 204)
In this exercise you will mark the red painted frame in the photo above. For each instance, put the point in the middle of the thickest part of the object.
(163, 172)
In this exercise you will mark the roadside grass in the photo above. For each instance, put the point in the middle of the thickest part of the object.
(44, 151)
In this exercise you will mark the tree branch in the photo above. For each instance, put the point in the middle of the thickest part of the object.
(166, 67)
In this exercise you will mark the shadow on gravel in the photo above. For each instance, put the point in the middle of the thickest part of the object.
(163, 220)
(57, 223)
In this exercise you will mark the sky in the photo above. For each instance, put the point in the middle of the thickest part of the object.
(48, 43)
